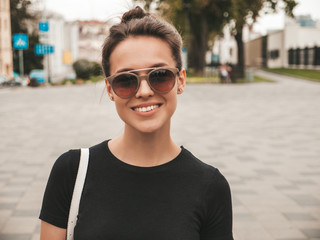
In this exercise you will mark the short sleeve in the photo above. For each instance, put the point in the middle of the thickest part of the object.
(218, 220)
(57, 197)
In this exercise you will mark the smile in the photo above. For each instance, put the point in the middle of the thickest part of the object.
(146, 109)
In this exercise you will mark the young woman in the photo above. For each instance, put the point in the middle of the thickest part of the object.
(140, 185)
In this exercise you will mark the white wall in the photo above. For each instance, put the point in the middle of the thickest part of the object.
(64, 36)
(6, 65)
(226, 47)
(276, 42)
(292, 36)
(296, 36)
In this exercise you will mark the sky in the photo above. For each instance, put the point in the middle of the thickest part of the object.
(276, 21)
(113, 9)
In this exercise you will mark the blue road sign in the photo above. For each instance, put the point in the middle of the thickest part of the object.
(43, 26)
(20, 41)
(43, 49)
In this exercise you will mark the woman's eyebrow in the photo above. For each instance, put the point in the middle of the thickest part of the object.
(124, 70)
(150, 67)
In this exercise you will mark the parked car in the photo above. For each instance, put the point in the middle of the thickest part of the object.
(20, 80)
(3, 79)
(36, 77)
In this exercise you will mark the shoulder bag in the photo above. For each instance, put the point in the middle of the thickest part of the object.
(77, 191)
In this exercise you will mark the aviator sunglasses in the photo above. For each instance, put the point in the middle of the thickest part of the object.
(160, 80)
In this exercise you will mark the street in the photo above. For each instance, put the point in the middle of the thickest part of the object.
(264, 138)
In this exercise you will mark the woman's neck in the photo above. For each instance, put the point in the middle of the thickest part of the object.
(144, 149)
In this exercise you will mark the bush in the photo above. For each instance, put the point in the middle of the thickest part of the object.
(85, 69)
(82, 68)
(96, 69)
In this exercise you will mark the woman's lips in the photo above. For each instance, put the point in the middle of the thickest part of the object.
(146, 108)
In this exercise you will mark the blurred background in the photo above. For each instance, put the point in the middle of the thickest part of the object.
(251, 106)
(57, 41)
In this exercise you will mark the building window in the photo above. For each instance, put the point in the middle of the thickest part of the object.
(316, 60)
(302, 56)
(274, 54)
(297, 56)
(291, 56)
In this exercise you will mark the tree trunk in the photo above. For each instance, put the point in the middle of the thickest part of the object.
(198, 47)
(238, 72)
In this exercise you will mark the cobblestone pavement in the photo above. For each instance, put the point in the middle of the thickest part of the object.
(264, 137)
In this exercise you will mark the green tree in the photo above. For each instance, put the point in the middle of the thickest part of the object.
(23, 21)
(197, 20)
(245, 12)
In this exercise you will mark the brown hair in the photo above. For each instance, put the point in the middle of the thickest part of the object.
(137, 22)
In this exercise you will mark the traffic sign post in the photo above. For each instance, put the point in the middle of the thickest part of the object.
(20, 42)
(21, 68)
(43, 37)
(44, 49)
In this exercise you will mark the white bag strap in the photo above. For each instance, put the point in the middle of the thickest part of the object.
(77, 191)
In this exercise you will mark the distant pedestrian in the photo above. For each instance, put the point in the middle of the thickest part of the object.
(225, 73)
(140, 185)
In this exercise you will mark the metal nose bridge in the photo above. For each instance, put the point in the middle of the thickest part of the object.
(146, 76)
(140, 78)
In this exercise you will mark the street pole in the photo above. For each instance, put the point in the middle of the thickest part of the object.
(49, 80)
(45, 13)
(21, 62)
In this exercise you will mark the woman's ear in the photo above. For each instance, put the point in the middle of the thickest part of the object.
(109, 89)
(182, 81)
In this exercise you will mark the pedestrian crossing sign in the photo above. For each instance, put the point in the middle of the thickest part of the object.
(20, 41)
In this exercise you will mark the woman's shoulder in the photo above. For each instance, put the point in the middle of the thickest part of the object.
(69, 160)
(197, 164)
(205, 171)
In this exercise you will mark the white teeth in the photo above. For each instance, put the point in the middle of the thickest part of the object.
(146, 109)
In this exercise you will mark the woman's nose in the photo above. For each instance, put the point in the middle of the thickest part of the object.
(144, 89)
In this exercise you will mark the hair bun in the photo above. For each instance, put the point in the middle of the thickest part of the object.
(135, 13)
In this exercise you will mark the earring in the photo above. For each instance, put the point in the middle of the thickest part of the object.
(111, 98)
(179, 90)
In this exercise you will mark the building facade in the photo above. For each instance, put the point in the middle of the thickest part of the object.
(295, 46)
(91, 38)
(64, 36)
(225, 48)
(6, 62)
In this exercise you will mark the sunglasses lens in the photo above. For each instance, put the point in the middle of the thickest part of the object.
(162, 80)
(124, 85)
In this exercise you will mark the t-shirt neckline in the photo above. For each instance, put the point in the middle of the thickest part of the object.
(164, 166)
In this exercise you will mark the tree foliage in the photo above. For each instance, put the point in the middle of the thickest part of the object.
(245, 12)
(196, 19)
(199, 19)
(24, 21)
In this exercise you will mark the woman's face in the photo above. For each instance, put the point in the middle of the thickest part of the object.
(141, 52)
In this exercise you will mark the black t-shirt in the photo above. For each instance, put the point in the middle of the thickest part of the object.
(183, 199)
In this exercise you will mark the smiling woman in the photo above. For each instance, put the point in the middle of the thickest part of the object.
(140, 185)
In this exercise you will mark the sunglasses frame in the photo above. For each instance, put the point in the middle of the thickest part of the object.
(174, 70)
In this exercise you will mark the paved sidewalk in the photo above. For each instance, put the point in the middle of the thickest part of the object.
(264, 137)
